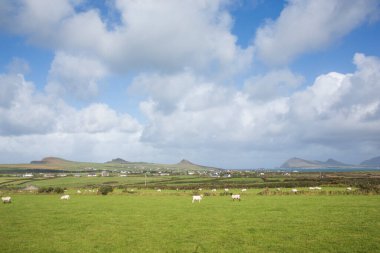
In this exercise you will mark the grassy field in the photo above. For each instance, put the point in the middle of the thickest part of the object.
(164, 222)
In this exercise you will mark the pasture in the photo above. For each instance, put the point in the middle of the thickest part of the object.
(167, 221)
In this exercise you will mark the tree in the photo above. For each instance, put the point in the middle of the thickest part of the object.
(105, 189)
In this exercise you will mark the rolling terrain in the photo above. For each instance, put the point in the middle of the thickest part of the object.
(51, 164)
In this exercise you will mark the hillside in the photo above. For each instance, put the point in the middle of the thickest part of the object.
(302, 163)
(51, 160)
(118, 160)
(117, 164)
(375, 161)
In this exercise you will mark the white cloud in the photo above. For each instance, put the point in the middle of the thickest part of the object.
(18, 66)
(335, 112)
(341, 109)
(25, 111)
(75, 75)
(338, 115)
(305, 26)
(164, 35)
(276, 83)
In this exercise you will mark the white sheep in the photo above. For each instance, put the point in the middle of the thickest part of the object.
(197, 198)
(6, 200)
(235, 196)
(65, 197)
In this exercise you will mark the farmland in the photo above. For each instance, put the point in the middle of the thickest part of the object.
(169, 222)
(135, 217)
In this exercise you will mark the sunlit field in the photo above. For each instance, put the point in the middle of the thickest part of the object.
(153, 221)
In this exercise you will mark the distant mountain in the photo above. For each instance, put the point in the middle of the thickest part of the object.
(186, 162)
(118, 160)
(332, 162)
(302, 163)
(371, 162)
(51, 160)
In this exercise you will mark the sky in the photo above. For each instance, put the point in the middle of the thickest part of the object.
(235, 84)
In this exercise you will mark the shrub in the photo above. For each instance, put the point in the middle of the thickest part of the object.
(105, 189)
(58, 190)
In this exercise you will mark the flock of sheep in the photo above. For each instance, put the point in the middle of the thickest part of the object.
(8, 200)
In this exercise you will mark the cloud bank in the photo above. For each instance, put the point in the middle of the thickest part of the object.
(196, 95)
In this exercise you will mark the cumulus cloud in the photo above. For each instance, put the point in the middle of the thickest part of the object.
(163, 35)
(18, 66)
(75, 75)
(26, 111)
(276, 83)
(202, 120)
(336, 111)
(306, 26)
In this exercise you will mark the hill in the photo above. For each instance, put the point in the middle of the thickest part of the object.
(299, 163)
(302, 163)
(118, 160)
(117, 164)
(375, 161)
(51, 160)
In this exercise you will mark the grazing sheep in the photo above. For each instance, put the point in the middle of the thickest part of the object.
(66, 197)
(349, 189)
(197, 197)
(235, 196)
(159, 190)
(243, 190)
(294, 190)
(78, 191)
(226, 189)
(213, 190)
(200, 189)
(6, 200)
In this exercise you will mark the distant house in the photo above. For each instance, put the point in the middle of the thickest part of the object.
(105, 173)
(31, 188)
(27, 175)
(214, 174)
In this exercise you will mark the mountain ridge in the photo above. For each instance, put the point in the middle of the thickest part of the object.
(296, 162)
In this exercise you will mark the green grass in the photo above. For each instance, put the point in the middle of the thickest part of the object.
(161, 222)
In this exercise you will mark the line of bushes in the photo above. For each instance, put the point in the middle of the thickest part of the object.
(58, 190)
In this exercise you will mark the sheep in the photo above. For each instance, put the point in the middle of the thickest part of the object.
(65, 197)
(226, 189)
(213, 190)
(243, 190)
(79, 192)
(294, 190)
(200, 189)
(197, 197)
(159, 190)
(235, 196)
(349, 189)
(6, 200)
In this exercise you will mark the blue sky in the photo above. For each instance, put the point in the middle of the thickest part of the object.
(227, 83)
